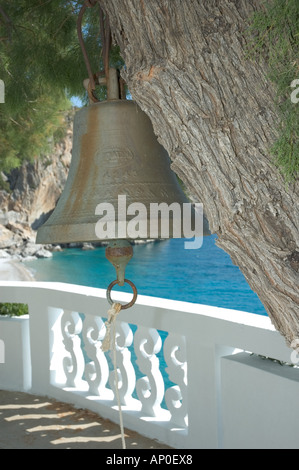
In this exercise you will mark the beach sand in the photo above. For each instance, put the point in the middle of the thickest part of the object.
(13, 270)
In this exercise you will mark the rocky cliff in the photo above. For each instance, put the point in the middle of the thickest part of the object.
(34, 191)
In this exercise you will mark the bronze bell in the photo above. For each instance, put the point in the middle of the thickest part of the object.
(115, 153)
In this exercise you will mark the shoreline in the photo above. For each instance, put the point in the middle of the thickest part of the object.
(13, 270)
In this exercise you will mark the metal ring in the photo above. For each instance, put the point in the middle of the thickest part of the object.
(130, 304)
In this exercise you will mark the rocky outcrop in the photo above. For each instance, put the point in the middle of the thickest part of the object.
(34, 191)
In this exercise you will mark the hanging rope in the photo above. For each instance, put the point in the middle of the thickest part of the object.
(106, 40)
(112, 314)
(106, 46)
(110, 343)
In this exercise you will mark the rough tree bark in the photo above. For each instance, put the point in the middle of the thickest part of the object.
(212, 109)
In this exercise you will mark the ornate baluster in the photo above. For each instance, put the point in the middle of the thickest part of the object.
(176, 396)
(150, 389)
(125, 369)
(96, 371)
(73, 365)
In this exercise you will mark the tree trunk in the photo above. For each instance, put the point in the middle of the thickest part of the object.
(212, 109)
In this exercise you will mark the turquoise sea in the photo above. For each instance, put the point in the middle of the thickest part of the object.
(160, 269)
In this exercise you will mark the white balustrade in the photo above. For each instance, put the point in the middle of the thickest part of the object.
(125, 370)
(150, 388)
(171, 359)
(176, 396)
(96, 371)
(73, 363)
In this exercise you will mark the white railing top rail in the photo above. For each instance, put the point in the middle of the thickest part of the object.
(210, 325)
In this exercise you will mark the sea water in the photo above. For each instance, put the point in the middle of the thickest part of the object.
(160, 269)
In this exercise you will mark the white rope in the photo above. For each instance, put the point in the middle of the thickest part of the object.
(106, 345)
(112, 314)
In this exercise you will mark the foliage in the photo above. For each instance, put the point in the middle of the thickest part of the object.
(42, 66)
(13, 310)
(275, 32)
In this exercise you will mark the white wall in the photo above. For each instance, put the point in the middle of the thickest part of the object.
(259, 403)
(15, 369)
